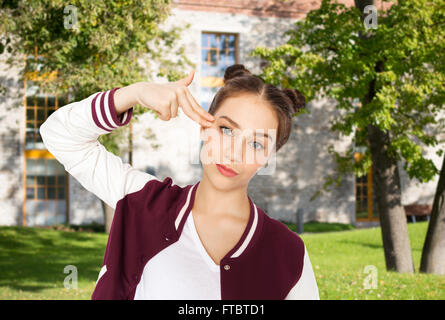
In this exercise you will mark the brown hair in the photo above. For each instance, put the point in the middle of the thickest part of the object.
(285, 102)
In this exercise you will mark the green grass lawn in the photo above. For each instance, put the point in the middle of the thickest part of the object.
(315, 226)
(32, 261)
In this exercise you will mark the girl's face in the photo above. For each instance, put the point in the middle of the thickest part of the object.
(242, 138)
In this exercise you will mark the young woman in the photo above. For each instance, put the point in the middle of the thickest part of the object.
(207, 240)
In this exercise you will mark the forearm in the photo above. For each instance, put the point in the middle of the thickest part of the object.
(126, 97)
(70, 135)
(71, 132)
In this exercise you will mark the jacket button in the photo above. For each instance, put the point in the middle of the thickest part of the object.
(226, 267)
(167, 236)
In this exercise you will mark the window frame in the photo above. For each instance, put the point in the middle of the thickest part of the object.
(34, 153)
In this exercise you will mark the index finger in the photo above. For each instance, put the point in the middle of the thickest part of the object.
(191, 112)
(198, 108)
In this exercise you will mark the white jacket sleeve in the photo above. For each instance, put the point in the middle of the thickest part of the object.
(70, 135)
(306, 288)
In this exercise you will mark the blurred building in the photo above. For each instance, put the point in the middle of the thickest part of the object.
(36, 190)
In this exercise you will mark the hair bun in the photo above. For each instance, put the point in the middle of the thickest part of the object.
(235, 70)
(297, 98)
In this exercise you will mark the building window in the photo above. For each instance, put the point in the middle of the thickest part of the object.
(46, 188)
(39, 106)
(365, 201)
(46, 181)
(218, 51)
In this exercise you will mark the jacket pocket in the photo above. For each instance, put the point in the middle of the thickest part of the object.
(102, 272)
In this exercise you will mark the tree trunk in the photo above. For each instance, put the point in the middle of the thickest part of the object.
(386, 183)
(433, 253)
(361, 4)
(108, 216)
(392, 216)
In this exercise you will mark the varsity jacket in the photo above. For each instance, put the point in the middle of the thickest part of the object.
(266, 263)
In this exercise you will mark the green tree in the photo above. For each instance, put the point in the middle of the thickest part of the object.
(94, 46)
(388, 82)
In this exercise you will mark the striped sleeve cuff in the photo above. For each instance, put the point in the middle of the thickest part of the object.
(104, 111)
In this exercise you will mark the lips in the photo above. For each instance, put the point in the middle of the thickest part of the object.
(226, 171)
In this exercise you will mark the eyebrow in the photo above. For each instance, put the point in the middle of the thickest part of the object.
(236, 125)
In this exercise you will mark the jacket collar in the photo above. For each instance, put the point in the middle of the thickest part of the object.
(250, 235)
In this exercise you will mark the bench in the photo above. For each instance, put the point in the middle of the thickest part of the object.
(416, 211)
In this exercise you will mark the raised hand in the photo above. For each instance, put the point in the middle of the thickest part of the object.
(166, 98)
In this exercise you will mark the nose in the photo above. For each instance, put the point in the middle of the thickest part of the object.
(233, 150)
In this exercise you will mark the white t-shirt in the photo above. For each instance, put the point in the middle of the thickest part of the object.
(185, 271)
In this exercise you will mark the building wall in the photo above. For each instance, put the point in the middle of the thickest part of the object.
(85, 207)
(415, 191)
(12, 117)
(171, 149)
(295, 9)
(301, 163)
(181, 162)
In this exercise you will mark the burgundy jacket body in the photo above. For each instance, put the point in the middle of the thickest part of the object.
(144, 224)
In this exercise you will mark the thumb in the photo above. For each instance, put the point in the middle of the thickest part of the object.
(187, 80)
